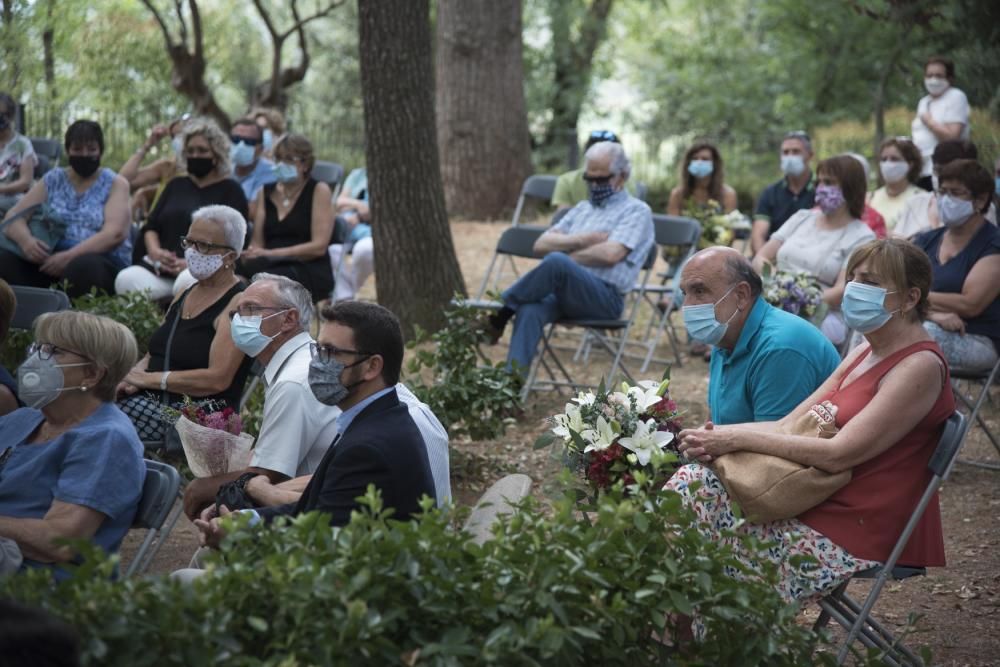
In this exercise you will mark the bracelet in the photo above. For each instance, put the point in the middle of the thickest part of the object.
(163, 381)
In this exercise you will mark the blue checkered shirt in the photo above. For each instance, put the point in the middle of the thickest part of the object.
(626, 220)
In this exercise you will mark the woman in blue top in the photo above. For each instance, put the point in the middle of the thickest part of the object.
(70, 463)
(93, 204)
(965, 257)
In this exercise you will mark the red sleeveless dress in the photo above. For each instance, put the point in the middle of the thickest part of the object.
(867, 516)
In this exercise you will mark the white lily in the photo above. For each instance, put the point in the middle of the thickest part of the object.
(600, 438)
(646, 440)
(645, 396)
(585, 398)
(571, 421)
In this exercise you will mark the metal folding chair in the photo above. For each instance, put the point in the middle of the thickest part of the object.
(682, 233)
(330, 173)
(610, 335)
(985, 381)
(856, 619)
(47, 152)
(538, 189)
(159, 491)
(514, 242)
(35, 301)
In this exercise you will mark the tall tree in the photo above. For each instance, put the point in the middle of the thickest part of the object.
(482, 126)
(415, 262)
(186, 48)
(578, 29)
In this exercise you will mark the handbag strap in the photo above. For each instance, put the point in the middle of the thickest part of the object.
(170, 341)
(20, 214)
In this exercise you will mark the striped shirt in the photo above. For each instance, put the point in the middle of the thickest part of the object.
(624, 219)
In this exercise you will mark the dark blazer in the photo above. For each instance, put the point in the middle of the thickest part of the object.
(382, 446)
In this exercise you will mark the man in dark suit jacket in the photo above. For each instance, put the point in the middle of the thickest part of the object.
(356, 364)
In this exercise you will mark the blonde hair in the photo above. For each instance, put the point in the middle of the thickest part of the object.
(218, 143)
(275, 119)
(898, 262)
(109, 344)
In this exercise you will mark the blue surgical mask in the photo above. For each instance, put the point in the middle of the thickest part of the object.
(285, 173)
(242, 154)
(998, 185)
(953, 211)
(701, 324)
(792, 165)
(700, 168)
(863, 307)
(600, 193)
(246, 333)
(267, 138)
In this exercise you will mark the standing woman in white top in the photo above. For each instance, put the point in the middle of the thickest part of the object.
(899, 169)
(943, 114)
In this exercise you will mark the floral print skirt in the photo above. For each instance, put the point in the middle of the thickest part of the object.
(790, 537)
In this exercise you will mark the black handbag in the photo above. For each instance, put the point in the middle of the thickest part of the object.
(234, 495)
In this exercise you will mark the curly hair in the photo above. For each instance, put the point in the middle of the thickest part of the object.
(218, 142)
(717, 180)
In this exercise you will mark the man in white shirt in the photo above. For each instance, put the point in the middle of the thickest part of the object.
(942, 114)
(271, 324)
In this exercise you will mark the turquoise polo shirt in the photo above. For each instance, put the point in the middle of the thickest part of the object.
(778, 361)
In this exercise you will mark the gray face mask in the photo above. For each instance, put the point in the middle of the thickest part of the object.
(325, 382)
(40, 381)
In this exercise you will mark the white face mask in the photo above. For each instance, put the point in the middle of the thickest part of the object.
(893, 171)
(202, 266)
(954, 211)
(935, 85)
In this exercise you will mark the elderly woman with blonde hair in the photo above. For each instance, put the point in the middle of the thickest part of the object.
(192, 352)
(158, 259)
(70, 462)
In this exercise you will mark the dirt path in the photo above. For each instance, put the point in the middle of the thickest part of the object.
(959, 605)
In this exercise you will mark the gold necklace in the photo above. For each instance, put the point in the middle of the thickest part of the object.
(286, 197)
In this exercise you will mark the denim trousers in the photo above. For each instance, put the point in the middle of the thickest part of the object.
(555, 289)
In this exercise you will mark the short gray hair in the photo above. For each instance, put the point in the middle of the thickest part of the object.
(234, 227)
(802, 136)
(619, 161)
(291, 294)
(740, 270)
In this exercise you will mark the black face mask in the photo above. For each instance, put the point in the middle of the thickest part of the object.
(85, 165)
(200, 167)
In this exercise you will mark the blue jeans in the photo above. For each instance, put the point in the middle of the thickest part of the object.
(557, 288)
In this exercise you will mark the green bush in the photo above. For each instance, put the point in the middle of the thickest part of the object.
(555, 587)
(469, 397)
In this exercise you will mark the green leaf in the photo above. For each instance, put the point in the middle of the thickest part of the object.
(544, 440)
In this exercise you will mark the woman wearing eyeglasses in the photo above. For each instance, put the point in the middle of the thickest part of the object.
(158, 260)
(70, 462)
(965, 257)
(294, 222)
(192, 352)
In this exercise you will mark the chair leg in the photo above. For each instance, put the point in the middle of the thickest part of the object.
(975, 417)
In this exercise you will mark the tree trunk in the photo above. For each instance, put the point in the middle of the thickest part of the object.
(573, 64)
(49, 61)
(482, 125)
(415, 264)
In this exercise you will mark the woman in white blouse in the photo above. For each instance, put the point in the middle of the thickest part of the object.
(818, 241)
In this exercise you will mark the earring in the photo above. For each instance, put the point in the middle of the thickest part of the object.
(83, 388)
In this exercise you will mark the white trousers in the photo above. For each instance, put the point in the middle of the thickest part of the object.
(350, 276)
(138, 278)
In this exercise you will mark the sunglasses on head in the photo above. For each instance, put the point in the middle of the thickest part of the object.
(604, 135)
(247, 140)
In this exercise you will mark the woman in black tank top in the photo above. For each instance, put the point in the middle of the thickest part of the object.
(294, 222)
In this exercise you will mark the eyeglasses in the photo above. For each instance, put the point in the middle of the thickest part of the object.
(46, 350)
(251, 310)
(604, 135)
(204, 247)
(597, 180)
(326, 353)
(249, 141)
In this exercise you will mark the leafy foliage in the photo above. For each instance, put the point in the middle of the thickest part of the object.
(473, 399)
(556, 587)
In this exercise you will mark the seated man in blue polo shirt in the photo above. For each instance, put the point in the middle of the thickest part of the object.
(765, 361)
(592, 258)
(794, 192)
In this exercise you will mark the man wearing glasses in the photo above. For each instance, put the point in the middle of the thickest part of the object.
(794, 192)
(271, 324)
(592, 258)
(356, 364)
(570, 187)
(250, 169)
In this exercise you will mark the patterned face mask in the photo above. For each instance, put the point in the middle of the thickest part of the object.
(600, 193)
(325, 382)
(202, 266)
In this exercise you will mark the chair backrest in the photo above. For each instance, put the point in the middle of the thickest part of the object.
(641, 190)
(50, 148)
(330, 173)
(676, 230)
(519, 241)
(34, 301)
(498, 500)
(158, 494)
(948, 445)
(538, 188)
